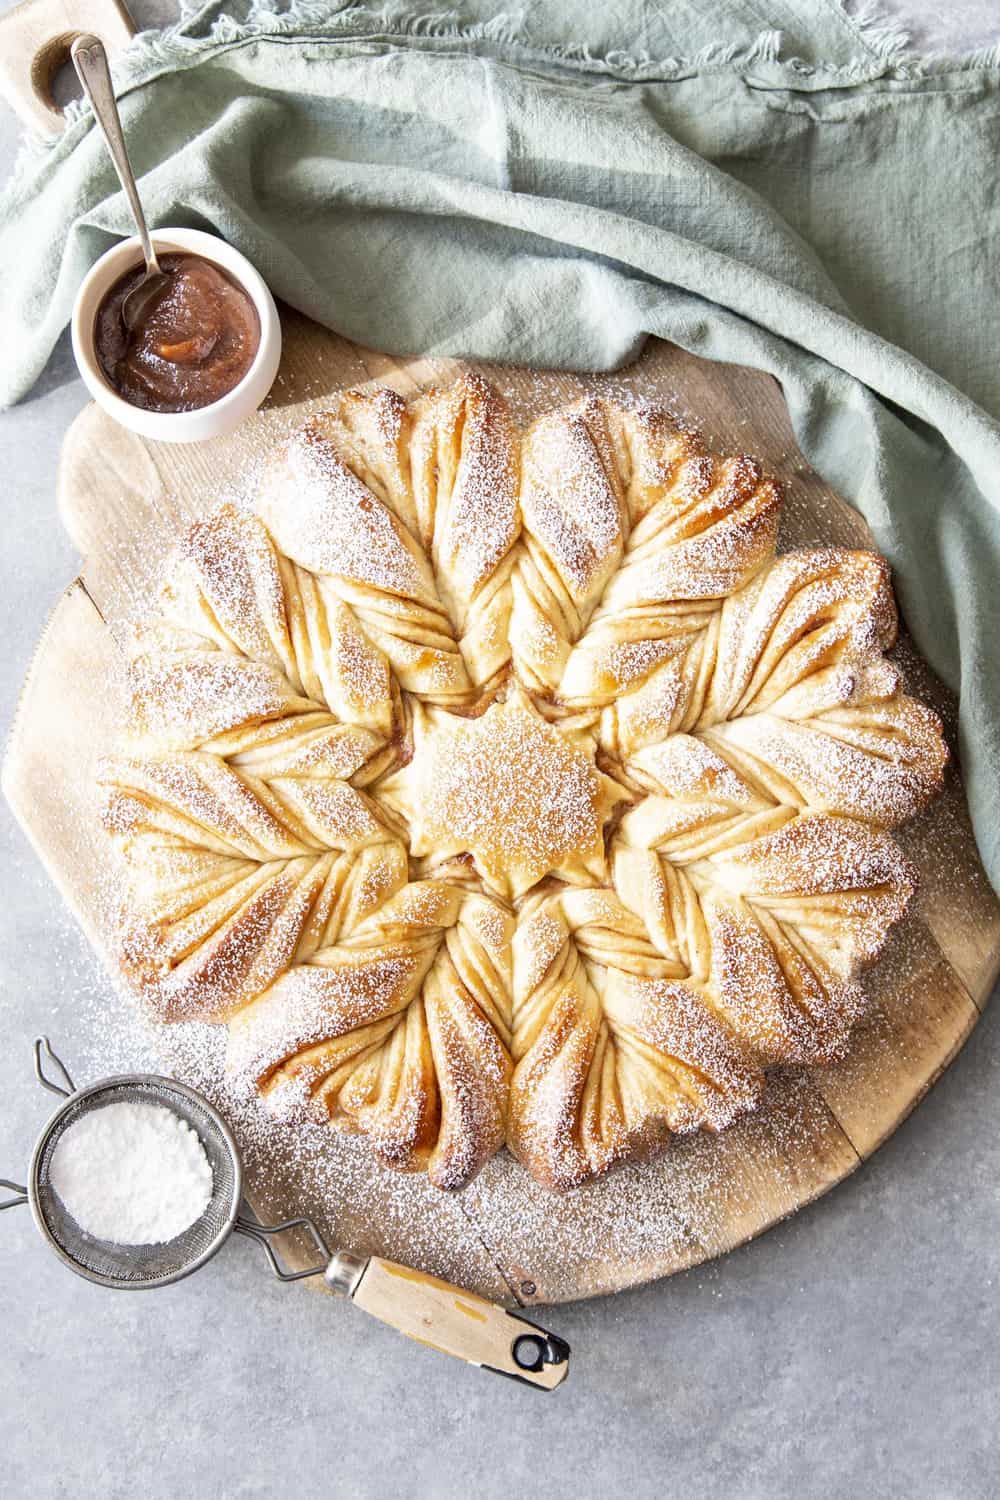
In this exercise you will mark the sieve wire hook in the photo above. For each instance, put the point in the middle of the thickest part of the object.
(15, 1187)
(43, 1054)
(250, 1226)
(42, 1044)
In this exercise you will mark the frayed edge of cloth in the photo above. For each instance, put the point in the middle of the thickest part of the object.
(204, 28)
(889, 41)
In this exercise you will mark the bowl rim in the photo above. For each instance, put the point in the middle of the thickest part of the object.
(114, 263)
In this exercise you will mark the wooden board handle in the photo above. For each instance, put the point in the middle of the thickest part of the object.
(35, 38)
(460, 1323)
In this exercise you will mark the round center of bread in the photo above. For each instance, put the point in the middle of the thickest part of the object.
(509, 789)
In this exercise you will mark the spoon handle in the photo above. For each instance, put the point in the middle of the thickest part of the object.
(91, 63)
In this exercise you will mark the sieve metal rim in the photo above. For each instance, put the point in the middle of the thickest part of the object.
(131, 1080)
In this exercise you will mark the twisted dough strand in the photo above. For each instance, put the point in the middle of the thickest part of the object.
(575, 522)
(240, 867)
(701, 528)
(792, 690)
(614, 1050)
(324, 518)
(402, 1032)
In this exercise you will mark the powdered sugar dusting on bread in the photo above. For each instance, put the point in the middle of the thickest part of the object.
(323, 516)
(567, 499)
(612, 1044)
(508, 789)
(482, 514)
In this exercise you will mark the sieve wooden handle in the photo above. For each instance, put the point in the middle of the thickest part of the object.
(457, 1322)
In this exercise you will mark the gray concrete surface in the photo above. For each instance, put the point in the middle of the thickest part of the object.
(850, 1352)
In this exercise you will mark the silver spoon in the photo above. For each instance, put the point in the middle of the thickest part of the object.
(91, 63)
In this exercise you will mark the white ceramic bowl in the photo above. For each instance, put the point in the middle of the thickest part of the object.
(182, 426)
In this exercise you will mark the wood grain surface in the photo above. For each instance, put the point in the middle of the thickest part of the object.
(125, 501)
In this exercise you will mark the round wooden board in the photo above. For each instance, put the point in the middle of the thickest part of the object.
(125, 501)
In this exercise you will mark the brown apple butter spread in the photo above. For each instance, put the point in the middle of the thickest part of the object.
(193, 342)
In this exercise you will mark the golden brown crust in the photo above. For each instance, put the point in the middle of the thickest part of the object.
(508, 788)
(401, 1031)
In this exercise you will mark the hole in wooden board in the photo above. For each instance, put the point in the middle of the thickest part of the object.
(53, 76)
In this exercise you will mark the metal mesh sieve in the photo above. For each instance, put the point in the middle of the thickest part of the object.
(417, 1304)
(128, 1266)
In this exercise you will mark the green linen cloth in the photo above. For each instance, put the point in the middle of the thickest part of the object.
(771, 182)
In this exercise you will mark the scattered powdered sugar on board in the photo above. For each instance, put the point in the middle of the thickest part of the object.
(132, 1173)
(505, 1234)
(306, 1169)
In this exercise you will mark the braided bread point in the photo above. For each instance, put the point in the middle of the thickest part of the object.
(402, 1031)
(184, 699)
(230, 589)
(464, 475)
(324, 518)
(774, 911)
(614, 1049)
(233, 877)
(701, 528)
(574, 527)
(792, 690)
